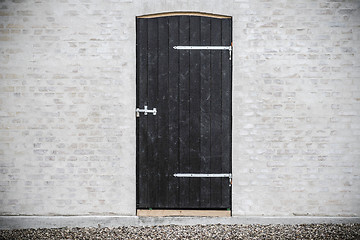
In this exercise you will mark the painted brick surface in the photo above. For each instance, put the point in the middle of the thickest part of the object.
(297, 108)
(67, 100)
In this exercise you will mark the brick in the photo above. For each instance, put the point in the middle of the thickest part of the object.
(67, 95)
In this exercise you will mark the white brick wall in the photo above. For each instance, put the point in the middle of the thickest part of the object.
(297, 108)
(67, 99)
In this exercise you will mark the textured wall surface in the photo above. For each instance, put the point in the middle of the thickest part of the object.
(67, 100)
(67, 108)
(296, 95)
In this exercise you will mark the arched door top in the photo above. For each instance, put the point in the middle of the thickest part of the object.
(170, 14)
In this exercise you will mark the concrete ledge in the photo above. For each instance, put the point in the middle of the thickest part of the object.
(23, 222)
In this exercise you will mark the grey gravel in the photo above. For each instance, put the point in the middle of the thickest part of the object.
(305, 231)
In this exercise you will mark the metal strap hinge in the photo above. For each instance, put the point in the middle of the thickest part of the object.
(229, 48)
(205, 175)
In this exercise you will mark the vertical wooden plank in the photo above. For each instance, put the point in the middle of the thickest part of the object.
(184, 110)
(194, 139)
(215, 109)
(137, 120)
(152, 120)
(163, 112)
(226, 111)
(141, 100)
(205, 112)
(173, 167)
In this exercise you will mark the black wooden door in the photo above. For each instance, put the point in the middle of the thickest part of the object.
(191, 131)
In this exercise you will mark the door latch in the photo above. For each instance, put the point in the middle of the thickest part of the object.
(145, 111)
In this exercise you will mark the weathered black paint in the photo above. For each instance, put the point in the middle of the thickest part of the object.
(191, 132)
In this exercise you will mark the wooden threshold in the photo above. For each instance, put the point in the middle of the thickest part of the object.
(170, 14)
(183, 213)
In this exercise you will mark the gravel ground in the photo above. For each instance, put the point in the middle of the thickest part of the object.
(306, 231)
